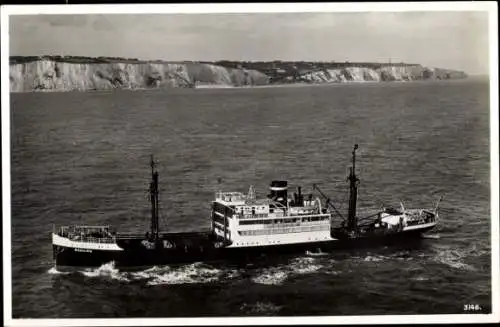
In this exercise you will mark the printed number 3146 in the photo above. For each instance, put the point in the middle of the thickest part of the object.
(472, 307)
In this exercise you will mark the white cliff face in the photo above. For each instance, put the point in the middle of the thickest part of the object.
(363, 74)
(385, 73)
(56, 76)
(206, 74)
(401, 73)
(342, 75)
(49, 75)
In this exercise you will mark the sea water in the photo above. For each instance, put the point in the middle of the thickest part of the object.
(83, 158)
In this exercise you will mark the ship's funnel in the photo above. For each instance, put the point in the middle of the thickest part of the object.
(279, 191)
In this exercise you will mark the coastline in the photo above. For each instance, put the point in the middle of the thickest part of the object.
(266, 86)
(70, 74)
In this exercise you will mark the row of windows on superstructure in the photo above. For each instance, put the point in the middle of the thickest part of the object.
(283, 230)
(246, 209)
(241, 211)
(282, 221)
(231, 211)
(257, 215)
(279, 213)
(221, 216)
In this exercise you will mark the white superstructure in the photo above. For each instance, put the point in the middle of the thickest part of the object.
(408, 219)
(242, 220)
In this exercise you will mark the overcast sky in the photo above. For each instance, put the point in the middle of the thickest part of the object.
(455, 40)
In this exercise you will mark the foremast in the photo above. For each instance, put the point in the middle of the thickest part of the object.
(153, 195)
(352, 222)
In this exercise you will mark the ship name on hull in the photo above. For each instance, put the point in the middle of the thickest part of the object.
(83, 250)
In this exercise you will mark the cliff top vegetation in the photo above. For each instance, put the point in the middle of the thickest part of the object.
(257, 65)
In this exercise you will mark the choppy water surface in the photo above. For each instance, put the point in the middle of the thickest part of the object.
(83, 158)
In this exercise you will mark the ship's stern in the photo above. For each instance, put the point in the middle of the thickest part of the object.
(70, 254)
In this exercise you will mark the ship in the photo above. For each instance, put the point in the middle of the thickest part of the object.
(241, 226)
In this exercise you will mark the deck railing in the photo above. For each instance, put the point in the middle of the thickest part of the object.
(85, 239)
(88, 234)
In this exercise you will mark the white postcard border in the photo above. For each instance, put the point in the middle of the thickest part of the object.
(491, 7)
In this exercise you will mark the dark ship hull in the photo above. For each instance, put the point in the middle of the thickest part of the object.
(192, 248)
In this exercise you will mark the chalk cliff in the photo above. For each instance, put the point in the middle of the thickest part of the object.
(55, 75)
(62, 76)
(385, 73)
